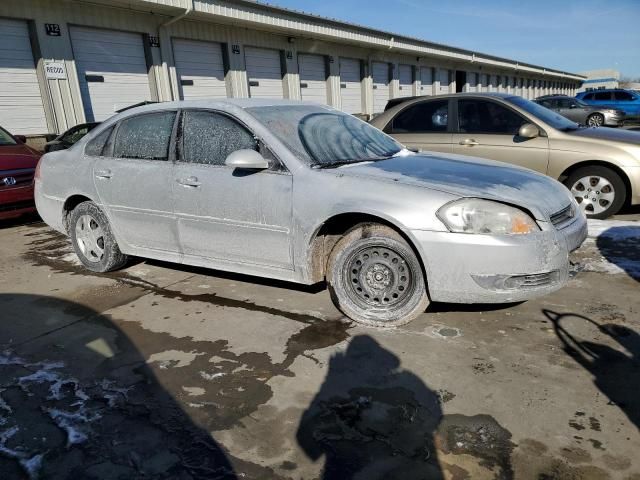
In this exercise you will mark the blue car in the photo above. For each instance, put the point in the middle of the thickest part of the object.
(626, 100)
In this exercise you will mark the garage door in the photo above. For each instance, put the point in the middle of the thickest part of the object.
(472, 82)
(350, 85)
(200, 69)
(426, 81)
(381, 93)
(445, 80)
(493, 83)
(264, 72)
(313, 78)
(405, 77)
(21, 110)
(112, 70)
(484, 82)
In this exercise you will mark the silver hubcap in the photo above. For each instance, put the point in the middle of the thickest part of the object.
(593, 194)
(90, 238)
(596, 121)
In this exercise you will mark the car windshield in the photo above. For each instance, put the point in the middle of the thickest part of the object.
(549, 117)
(323, 137)
(5, 138)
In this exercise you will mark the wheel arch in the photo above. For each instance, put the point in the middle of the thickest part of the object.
(69, 204)
(328, 232)
(600, 163)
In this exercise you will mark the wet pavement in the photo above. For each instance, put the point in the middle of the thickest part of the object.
(167, 371)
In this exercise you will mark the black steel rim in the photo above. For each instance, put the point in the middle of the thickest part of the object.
(379, 277)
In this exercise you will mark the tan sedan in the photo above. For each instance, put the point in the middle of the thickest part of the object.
(600, 166)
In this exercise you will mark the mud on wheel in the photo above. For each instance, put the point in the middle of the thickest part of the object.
(93, 240)
(375, 278)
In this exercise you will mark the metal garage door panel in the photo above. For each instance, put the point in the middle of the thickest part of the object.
(350, 85)
(381, 91)
(117, 69)
(445, 80)
(21, 109)
(405, 76)
(264, 72)
(200, 69)
(426, 81)
(313, 78)
(472, 81)
(484, 80)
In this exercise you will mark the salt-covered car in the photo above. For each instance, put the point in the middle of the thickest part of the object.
(302, 192)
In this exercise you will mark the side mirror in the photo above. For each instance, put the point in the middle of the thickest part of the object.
(246, 159)
(528, 130)
(20, 138)
(573, 105)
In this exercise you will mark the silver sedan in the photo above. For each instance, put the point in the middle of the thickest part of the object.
(304, 193)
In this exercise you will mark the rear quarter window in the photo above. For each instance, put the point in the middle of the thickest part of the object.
(95, 147)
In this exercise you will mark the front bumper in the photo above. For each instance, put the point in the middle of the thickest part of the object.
(467, 268)
(16, 201)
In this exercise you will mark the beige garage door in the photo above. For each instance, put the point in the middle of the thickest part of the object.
(200, 69)
(313, 78)
(264, 72)
(381, 91)
(350, 85)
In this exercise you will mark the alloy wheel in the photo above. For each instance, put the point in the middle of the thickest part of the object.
(90, 238)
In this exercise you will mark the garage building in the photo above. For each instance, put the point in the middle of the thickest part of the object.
(64, 63)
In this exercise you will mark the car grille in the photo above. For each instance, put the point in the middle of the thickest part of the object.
(538, 279)
(16, 178)
(562, 216)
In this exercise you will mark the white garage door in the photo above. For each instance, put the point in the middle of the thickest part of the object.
(484, 82)
(493, 83)
(445, 80)
(350, 85)
(405, 76)
(21, 110)
(426, 81)
(472, 82)
(112, 70)
(381, 91)
(200, 69)
(313, 78)
(264, 72)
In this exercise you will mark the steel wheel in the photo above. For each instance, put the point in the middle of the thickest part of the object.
(595, 120)
(90, 238)
(594, 194)
(378, 276)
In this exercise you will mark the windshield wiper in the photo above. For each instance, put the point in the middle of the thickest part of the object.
(339, 163)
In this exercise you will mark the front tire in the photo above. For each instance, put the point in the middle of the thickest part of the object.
(375, 278)
(599, 191)
(93, 240)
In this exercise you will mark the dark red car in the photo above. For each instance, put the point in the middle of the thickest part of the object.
(17, 166)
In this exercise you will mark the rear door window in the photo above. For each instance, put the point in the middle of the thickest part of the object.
(423, 117)
(145, 136)
(96, 147)
(481, 116)
(603, 96)
(623, 96)
(210, 137)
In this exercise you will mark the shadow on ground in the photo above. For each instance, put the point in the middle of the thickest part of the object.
(620, 245)
(94, 414)
(614, 360)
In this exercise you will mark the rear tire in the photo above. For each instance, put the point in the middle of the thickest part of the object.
(595, 120)
(375, 278)
(93, 239)
(599, 191)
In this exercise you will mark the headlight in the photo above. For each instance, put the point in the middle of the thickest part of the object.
(473, 215)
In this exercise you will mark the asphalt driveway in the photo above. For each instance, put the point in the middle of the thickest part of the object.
(165, 371)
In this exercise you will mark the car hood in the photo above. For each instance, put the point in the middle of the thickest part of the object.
(471, 177)
(14, 157)
(611, 134)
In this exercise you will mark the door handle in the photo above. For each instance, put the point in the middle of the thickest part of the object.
(189, 182)
(469, 142)
(104, 174)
